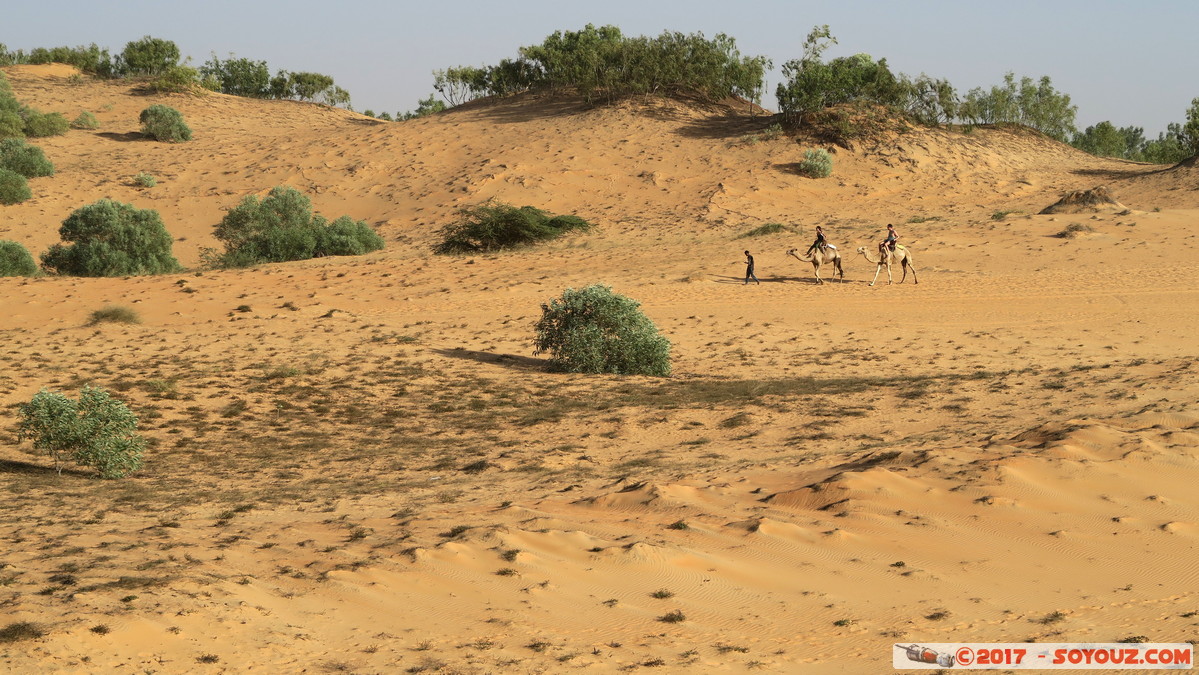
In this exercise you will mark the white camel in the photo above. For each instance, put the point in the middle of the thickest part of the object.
(900, 255)
(829, 256)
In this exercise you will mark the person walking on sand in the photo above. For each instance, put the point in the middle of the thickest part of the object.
(749, 269)
(888, 243)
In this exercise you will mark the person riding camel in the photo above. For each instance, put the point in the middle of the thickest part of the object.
(820, 244)
(888, 245)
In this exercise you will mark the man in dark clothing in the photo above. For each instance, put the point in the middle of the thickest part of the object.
(749, 269)
(819, 244)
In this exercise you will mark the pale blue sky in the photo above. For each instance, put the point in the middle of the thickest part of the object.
(1132, 65)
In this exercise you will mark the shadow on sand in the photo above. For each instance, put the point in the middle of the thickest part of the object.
(513, 361)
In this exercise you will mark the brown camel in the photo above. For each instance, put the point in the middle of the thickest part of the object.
(900, 255)
(829, 256)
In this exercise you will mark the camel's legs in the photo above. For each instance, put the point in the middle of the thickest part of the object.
(877, 270)
(816, 269)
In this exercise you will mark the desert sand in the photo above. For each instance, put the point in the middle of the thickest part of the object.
(359, 465)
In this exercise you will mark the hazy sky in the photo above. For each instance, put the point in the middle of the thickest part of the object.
(1130, 63)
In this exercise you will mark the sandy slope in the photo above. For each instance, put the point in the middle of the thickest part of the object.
(359, 466)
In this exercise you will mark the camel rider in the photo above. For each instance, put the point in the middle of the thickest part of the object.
(820, 244)
(889, 242)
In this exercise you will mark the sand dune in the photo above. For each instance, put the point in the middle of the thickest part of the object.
(358, 464)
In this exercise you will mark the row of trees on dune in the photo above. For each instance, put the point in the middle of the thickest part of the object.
(604, 64)
(160, 61)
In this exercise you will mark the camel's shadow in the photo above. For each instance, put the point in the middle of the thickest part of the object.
(810, 281)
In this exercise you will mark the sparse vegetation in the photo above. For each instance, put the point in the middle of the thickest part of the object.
(675, 616)
(594, 330)
(164, 123)
(109, 239)
(1073, 230)
(148, 56)
(113, 314)
(767, 230)
(15, 260)
(21, 630)
(145, 180)
(96, 431)
(496, 226)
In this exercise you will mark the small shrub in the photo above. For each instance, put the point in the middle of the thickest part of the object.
(662, 594)
(86, 120)
(96, 431)
(676, 616)
(766, 230)
(40, 125)
(113, 314)
(1073, 230)
(21, 630)
(27, 160)
(164, 123)
(112, 239)
(496, 226)
(145, 180)
(15, 260)
(594, 330)
(14, 189)
(281, 227)
(816, 163)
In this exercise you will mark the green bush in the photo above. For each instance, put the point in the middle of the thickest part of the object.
(176, 79)
(145, 180)
(11, 125)
(97, 431)
(14, 189)
(112, 239)
(816, 163)
(41, 125)
(281, 227)
(27, 160)
(147, 56)
(594, 330)
(164, 123)
(86, 120)
(495, 226)
(346, 236)
(15, 260)
(239, 76)
(603, 62)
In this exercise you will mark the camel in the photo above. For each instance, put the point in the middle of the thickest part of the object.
(829, 256)
(901, 255)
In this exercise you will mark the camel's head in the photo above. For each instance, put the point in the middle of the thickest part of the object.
(861, 249)
(791, 251)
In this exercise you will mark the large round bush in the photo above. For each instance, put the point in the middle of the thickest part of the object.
(15, 260)
(594, 330)
(112, 239)
(14, 189)
(164, 123)
(281, 227)
(27, 160)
